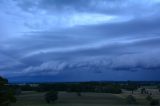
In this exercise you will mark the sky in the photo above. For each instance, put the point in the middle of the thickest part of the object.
(79, 40)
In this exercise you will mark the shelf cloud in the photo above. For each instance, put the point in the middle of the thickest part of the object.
(70, 39)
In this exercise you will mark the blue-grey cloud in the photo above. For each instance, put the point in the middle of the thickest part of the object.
(70, 39)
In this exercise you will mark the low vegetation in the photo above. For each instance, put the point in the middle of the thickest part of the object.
(79, 94)
(82, 93)
(130, 99)
(154, 102)
(51, 96)
(149, 98)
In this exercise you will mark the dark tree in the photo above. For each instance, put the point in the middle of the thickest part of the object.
(131, 86)
(143, 91)
(51, 96)
(158, 87)
(6, 93)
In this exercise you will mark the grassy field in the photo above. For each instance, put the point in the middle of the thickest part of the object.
(71, 99)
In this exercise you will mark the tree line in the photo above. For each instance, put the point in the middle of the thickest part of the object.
(8, 91)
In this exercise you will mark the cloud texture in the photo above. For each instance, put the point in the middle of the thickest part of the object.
(75, 40)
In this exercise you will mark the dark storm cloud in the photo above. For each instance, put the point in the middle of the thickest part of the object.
(61, 5)
(75, 38)
(120, 7)
(124, 57)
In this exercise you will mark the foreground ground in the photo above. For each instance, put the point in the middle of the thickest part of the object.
(87, 99)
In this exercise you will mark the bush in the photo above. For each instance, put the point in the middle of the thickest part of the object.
(154, 102)
(51, 96)
(79, 93)
(130, 99)
(149, 98)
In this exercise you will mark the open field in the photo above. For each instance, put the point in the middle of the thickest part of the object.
(87, 99)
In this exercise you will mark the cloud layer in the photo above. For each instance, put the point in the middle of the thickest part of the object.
(69, 40)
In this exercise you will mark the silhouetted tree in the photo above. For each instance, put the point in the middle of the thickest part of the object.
(158, 87)
(51, 96)
(131, 86)
(143, 91)
(6, 93)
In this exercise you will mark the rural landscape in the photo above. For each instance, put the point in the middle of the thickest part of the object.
(79, 52)
(123, 93)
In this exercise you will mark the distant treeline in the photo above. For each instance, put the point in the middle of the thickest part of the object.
(142, 83)
(101, 87)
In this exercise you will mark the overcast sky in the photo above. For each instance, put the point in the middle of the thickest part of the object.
(80, 40)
